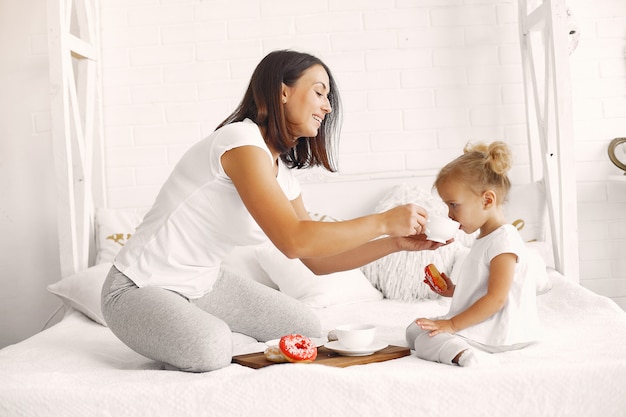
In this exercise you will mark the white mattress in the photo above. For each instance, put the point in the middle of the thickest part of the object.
(78, 368)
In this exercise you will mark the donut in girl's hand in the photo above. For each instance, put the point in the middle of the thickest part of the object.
(298, 348)
(434, 277)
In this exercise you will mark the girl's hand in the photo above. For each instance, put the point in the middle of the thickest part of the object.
(436, 326)
(404, 220)
(449, 292)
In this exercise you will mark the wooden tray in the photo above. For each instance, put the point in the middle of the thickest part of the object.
(326, 356)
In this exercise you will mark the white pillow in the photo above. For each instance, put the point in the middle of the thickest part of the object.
(400, 276)
(113, 228)
(526, 209)
(544, 250)
(318, 291)
(81, 291)
(537, 267)
(242, 261)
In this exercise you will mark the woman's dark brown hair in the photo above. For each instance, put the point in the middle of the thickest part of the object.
(262, 104)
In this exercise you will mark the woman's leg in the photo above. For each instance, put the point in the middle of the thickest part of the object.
(258, 311)
(164, 326)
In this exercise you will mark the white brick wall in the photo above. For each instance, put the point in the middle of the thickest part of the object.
(418, 79)
(598, 69)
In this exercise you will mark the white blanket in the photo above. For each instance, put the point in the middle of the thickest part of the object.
(78, 369)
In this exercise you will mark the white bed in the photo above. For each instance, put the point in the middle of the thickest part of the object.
(79, 368)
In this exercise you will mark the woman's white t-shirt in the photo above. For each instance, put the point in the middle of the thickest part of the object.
(197, 218)
(517, 321)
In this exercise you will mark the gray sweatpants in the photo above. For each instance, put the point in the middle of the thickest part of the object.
(196, 335)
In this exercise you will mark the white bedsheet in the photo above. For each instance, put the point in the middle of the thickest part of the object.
(78, 368)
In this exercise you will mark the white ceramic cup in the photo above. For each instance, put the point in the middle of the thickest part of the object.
(441, 229)
(356, 336)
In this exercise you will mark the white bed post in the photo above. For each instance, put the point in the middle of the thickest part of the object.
(76, 112)
(545, 60)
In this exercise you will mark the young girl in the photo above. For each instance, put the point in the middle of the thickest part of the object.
(493, 305)
(164, 297)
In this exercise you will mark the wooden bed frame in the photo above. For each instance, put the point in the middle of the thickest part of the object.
(77, 128)
(76, 107)
(545, 62)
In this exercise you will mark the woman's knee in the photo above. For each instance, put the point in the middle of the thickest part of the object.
(205, 354)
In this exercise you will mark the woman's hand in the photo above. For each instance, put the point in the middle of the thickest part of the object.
(419, 242)
(450, 286)
(404, 220)
(436, 326)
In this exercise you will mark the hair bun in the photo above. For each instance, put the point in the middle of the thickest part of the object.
(497, 155)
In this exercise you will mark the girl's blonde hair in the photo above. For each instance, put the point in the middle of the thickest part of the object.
(481, 167)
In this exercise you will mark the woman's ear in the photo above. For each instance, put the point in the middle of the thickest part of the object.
(284, 94)
(489, 199)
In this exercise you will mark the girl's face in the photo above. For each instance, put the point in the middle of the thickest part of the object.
(464, 205)
(306, 102)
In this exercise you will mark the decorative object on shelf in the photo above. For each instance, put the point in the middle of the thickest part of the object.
(613, 157)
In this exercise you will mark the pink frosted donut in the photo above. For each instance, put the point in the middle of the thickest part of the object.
(298, 348)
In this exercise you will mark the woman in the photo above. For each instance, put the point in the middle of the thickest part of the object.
(162, 297)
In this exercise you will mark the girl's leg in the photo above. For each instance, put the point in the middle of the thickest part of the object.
(258, 311)
(443, 347)
(164, 326)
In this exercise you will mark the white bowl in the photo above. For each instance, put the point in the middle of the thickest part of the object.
(441, 229)
(356, 336)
